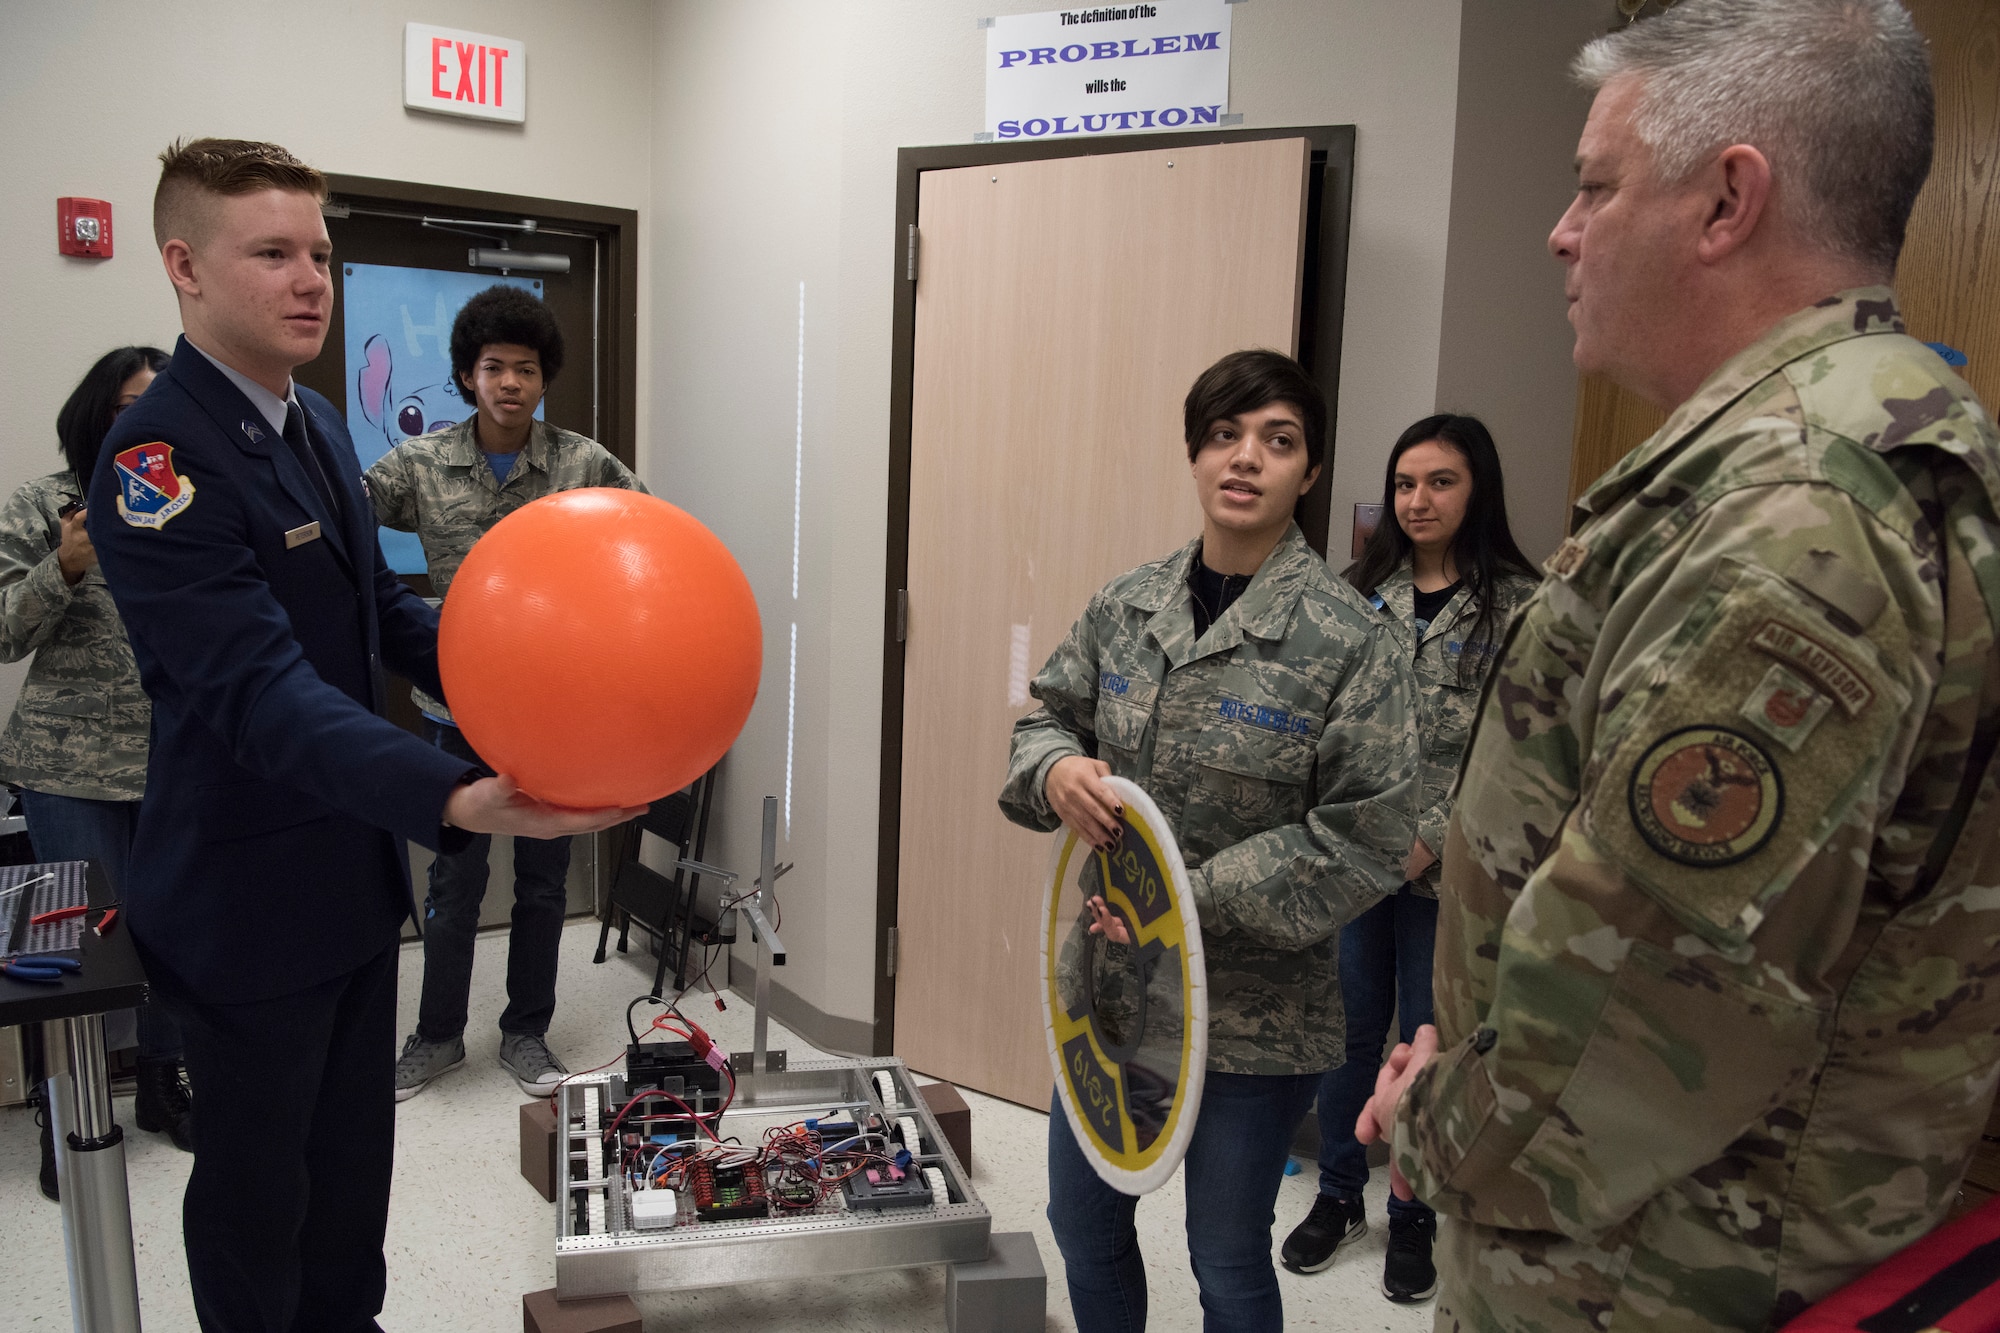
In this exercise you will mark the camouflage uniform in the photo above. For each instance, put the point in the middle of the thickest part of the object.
(1719, 900)
(440, 487)
(81, 724)
(1280, 750)
(1445, 703)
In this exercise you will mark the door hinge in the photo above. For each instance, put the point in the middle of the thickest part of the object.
(910, 259)
(902, 614)
(889, 952)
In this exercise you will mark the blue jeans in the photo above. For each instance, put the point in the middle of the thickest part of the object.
(74, 828)
(1234, 1162)
(451, 919)
(1385, 964)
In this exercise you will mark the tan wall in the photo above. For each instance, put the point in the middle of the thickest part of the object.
(1504, 347)
(776, 140)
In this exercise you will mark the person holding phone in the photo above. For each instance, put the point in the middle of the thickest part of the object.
(76, 742)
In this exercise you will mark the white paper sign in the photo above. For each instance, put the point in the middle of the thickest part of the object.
(458, 73)
(1116, 69)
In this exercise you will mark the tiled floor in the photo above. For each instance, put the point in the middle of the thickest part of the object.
(467, 1236)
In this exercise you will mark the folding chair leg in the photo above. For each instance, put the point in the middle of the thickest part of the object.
(603, 932)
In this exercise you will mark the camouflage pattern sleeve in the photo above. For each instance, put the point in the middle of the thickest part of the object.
(33, 593)
(1667, 974)
(392, 489)
(1294, 885)
(611, 472)
(1061, 727)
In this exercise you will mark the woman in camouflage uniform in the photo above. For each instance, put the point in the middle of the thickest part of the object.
(1448, 577)
(76, 743)
(1264, 707)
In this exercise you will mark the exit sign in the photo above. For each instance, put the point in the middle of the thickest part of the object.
(462, 73)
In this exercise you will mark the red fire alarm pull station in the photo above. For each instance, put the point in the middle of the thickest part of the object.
(83, 227)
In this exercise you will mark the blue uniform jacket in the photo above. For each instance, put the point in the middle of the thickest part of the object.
(269, 852)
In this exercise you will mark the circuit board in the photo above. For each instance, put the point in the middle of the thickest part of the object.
(782, 1168)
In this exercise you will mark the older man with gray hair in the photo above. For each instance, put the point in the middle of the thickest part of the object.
(1715, 1033)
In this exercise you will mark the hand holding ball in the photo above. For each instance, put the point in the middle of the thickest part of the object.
(601, 647)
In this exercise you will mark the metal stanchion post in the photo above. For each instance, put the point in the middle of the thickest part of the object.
(96, 1210)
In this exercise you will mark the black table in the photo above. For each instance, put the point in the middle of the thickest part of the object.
(90, 1147)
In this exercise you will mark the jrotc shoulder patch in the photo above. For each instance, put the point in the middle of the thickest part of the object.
(149, 490)
(1706, 796)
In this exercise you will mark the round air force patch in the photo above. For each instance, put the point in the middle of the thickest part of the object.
(1706, 796)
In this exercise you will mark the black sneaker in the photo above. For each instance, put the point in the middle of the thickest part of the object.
(1331, 1224)
(1408, 1275)
(162, 1104)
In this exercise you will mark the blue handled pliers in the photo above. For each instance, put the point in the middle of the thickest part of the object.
(46, 968)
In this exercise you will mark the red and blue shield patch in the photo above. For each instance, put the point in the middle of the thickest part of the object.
(149, 490)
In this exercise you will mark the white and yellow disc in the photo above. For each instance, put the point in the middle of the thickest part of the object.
(1127, 1023)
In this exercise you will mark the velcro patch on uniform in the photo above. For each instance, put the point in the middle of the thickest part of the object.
(1711, 812)
(1832, 672)
(1706, 796)
(1259, 715)
(150, 492)
(1785, 708)
(1569, 558)
(1113, 683)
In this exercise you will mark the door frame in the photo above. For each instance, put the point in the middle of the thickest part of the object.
(617, 229)
(1324, 288)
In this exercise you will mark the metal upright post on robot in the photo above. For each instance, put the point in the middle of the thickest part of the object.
(770, 949)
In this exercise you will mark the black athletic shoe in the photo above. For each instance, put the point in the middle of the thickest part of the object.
(162, 1104)
(1408, 1275)
(1331, 1224)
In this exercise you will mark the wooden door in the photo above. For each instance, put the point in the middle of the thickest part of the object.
(1063, 307)
(1948, 282)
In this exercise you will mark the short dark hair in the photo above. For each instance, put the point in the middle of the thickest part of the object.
(191, 174)
(85, 418)
(1247, 380)
(503, 314)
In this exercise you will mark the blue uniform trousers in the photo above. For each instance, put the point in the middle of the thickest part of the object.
(1385, 967)
(294, 1149)
(1234, 1161)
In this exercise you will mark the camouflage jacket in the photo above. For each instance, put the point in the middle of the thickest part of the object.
(81, 724)
(440, 487)
(1280, 750)
(1445, 699)
(1719, 902)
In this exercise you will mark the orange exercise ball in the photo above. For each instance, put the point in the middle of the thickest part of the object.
(601, 647)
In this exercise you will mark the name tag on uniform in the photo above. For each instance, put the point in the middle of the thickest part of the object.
(300, 536)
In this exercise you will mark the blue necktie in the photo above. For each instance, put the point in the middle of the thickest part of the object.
(295, 436)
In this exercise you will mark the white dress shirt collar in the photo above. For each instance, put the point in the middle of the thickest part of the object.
(269, 404)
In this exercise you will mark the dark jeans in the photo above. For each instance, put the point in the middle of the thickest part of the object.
(1385, 964)
(451, 919)
(1231, 1177)
(288, 1202)
(74, 828)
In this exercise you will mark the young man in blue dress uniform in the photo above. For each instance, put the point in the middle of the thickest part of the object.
(269, 880)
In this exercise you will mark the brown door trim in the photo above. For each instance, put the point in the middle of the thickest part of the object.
(618, 312)
(1323, 302)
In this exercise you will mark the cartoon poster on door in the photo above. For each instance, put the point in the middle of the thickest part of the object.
(399, 382)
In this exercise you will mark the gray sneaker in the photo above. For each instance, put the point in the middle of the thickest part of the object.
(423, 1061)
(534, 1066)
